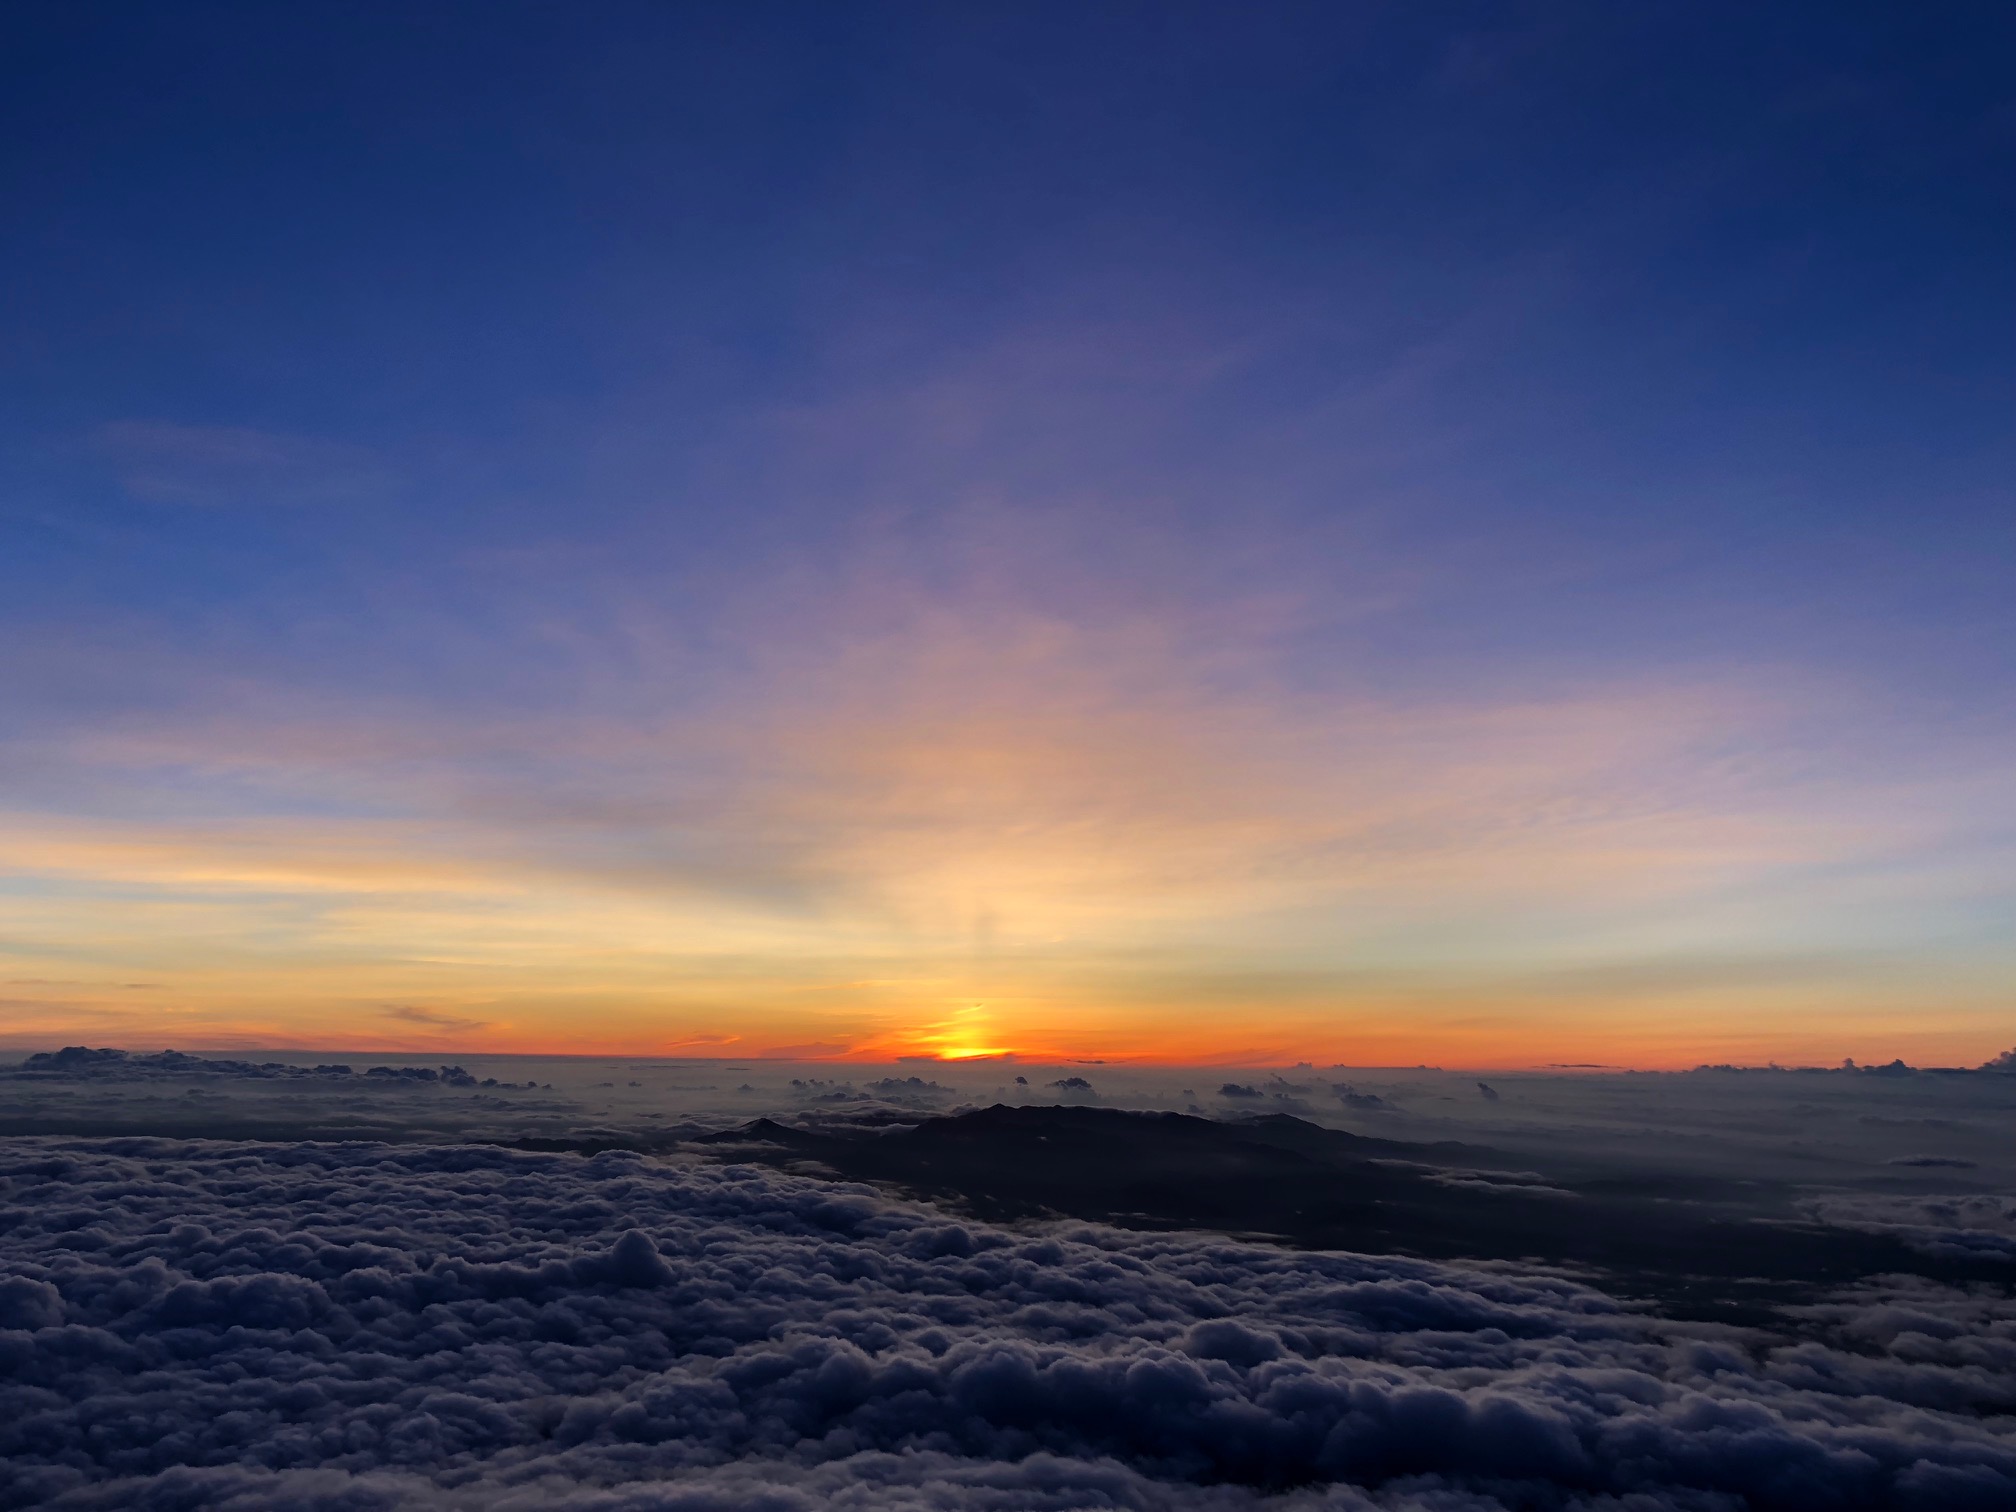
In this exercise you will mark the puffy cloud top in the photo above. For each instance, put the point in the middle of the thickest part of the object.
(370, 1328)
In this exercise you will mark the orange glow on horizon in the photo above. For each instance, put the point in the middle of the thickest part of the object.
(962, 835)
(1503, 1037)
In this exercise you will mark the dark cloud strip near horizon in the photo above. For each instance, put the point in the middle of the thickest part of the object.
(307, 1328)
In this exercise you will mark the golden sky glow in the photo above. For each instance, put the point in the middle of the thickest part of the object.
(989, 831)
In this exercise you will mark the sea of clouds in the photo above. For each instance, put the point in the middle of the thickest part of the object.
(348, 1327)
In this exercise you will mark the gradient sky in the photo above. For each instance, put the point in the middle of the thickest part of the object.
(1477, 534)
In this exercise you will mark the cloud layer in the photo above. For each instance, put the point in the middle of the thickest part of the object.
(360, 1326)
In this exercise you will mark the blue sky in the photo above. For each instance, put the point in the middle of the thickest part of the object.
(780, 475)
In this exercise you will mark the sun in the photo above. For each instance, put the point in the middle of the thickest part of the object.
(966, 1035)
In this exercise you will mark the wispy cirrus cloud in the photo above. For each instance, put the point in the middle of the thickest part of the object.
(901, 808)
(434, 1018)
(232, 465)
(906, 768)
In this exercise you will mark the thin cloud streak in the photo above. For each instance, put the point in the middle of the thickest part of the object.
(226, 466)
(434, 1018)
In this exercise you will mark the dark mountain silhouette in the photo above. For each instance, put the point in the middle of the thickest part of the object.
(1699, 1246)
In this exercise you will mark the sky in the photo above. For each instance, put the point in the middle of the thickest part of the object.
(1380, 534)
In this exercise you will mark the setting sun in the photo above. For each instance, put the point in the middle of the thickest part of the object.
(965, 1035)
